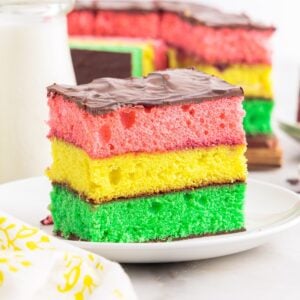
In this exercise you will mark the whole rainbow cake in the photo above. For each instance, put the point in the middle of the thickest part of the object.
(146, 159)
(228, 45)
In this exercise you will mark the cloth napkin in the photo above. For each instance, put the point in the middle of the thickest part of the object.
(36, 266)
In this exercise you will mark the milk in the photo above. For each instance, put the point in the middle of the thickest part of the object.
(34, 53)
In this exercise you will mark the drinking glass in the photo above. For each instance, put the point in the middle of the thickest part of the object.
(34, 53)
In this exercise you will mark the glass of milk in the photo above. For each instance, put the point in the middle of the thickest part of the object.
(34, 53)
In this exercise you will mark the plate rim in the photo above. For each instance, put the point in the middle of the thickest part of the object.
(278, 226)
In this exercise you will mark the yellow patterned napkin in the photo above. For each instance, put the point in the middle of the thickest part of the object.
(36, 266)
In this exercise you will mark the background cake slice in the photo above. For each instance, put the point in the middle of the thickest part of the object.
(228, 45)
(116, 57)
(245, 60)
(154, 158)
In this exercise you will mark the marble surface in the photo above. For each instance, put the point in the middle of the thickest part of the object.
(271, 271)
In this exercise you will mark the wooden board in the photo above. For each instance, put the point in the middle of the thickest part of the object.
(263, 158)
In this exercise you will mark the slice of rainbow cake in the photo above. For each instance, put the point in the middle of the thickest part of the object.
(147, 159)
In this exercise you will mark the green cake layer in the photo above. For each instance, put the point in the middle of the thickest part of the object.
(258, 116)
(210, 210)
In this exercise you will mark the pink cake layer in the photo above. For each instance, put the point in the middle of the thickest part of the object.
(211, 45)
(140, 129)
(217, 45)
(161, 55)
(112, 23)
(81, 22)
(132, 25)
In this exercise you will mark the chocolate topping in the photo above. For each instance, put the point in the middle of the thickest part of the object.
(194, 12)
(90, 64)
(120, 5)
(210, 16)
(177, 86)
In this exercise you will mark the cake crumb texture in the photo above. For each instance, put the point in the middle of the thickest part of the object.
(142, 129)
(160, 217)
(135, 174)
(258, 116)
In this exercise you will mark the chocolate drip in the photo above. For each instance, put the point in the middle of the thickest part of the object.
(177, 86)
(210, 16)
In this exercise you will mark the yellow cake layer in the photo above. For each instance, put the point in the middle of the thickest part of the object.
(255, 79)
(136, 174)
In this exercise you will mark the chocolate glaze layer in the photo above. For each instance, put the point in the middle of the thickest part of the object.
(90, 64)
(120, 5)
(194, 12)
(168, 87)
(210, 16)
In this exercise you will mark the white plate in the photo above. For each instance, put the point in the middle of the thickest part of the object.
(269, 210)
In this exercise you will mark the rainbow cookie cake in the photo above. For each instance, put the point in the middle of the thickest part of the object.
(230, 46)
(144, 159)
